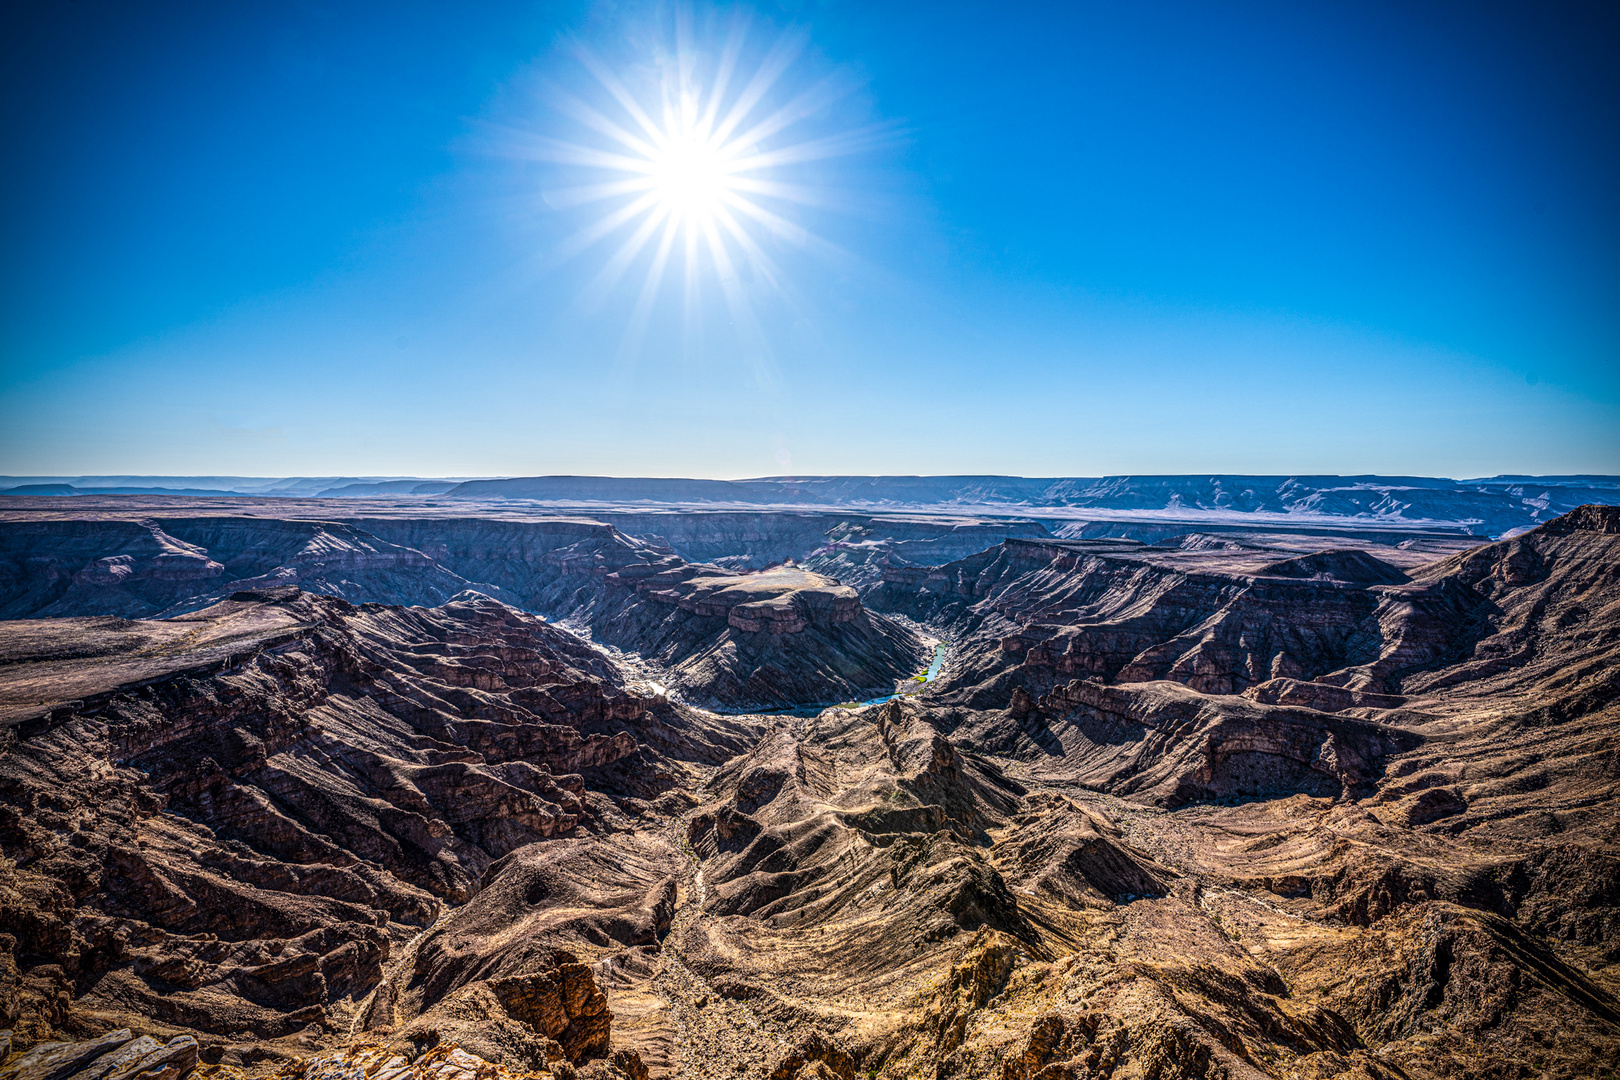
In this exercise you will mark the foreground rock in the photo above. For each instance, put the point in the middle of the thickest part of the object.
(115, 1056)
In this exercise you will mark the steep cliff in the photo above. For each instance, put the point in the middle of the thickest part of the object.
(146, 567)
(1218, 620)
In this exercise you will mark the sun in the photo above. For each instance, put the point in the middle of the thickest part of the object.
(689, 175)
(694, 161)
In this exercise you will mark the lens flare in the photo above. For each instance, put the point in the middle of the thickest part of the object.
(693, 168)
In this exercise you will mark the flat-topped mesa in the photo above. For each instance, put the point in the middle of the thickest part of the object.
(781, 600)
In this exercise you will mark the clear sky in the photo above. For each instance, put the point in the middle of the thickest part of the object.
(1069, 239)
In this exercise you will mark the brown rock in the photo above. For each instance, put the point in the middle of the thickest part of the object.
(114, 1060)
(816, 1056)
(59, 1060)
(177, 1057)
(563, 1004)
(1225, 810)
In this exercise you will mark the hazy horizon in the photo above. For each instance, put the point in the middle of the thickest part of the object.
(383, 477)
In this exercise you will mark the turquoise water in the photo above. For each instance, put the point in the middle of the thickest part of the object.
(934, 667)
(932, 674)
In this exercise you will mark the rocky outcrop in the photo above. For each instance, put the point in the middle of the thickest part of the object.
(112, 568)
(555, 1017)
(148, 567)
(448, 1061)
(851, 547)
(1335, 629)
(1076, 856)
(777, 601)
(586, 893)
(563, 1004)
(1350, 566)
(1127, 613)
(897, 809)
(115, 1056)
(770, 639)
(1165, 744)
(815, 1057)
(860, 552)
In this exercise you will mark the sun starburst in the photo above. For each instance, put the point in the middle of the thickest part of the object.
(699, 157)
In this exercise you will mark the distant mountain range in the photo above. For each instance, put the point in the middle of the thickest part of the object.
(300, 487)
(1491, 506)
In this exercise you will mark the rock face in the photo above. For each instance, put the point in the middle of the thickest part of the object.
(1209, 808)
(1167, 745)
(1218, 621)
(765, 639)
(851, 547)
(115, 1056)
(781, 600)
(770, 639)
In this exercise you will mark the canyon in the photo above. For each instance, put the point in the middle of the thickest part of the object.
(473, 787)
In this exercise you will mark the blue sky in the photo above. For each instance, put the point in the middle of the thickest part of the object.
(1069, 239)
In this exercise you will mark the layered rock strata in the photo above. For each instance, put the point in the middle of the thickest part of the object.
(148, 567)
(1220, 622)
(770, 639)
